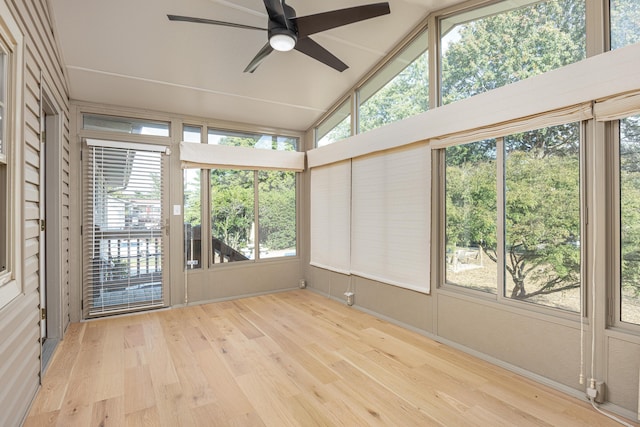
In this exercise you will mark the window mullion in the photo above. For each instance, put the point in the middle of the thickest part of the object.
(205, 212)
(501, 217)
(256, 216)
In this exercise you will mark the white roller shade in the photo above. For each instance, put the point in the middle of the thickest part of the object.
(617, 107)
(391, 193)
(210, 156)
(331, 217)
(571, 114)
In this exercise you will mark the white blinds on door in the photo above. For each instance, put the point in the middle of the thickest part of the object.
(122, 228)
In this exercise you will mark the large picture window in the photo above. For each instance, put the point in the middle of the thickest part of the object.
(528, 185)
(489, 47)
(239, 201)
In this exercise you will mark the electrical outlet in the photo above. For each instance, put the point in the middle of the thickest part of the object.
(597, 394)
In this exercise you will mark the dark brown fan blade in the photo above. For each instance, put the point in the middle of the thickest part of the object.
(275, 10)
(212, 21)
(260, 56)
(312, 24)
(314, 50)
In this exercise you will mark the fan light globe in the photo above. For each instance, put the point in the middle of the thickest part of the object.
(282, 42)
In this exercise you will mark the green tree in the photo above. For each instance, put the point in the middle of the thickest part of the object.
(277, 200)
(542, 179)
(625, 15)
(542, 223)
(232, 200)
(542, 210)
(232, 206)
(511, 46)
(407, 94)
(630, 204)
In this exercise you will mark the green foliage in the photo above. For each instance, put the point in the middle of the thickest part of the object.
(625, 16)
(542, 222)
(407, 94)
(277, 199)
(542, 167)
(192, 198)
(511, 46)
(341, 131)
(542, 206)
(630, 204)
(232, 206)
(471, 197)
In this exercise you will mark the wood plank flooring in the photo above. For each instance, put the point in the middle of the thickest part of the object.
(286, 359)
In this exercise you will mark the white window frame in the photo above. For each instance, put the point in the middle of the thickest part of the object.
(11, 42)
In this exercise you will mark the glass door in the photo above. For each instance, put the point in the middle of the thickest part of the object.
(124, 227)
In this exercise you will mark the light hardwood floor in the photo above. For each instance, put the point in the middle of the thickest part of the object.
(286, 359)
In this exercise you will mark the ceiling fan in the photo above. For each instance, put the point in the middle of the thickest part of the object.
(286, 31)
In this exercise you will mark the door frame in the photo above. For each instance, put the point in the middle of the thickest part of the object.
(124, 142)
(51, 248)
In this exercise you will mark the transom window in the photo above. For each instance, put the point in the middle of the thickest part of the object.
(489, 47)
(335, 127)
(398, 90)
(625, 15)
(251, 140)
(125, 125)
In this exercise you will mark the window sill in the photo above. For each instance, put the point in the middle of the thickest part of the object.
(9, 290)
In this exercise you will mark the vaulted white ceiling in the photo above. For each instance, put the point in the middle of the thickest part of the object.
(127, 53)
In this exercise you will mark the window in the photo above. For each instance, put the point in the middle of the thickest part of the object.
(538, 257)
(4, 171)
(193, 218)
(10, 160)
(277, 213)
(239, 203)
(399, 90)
(236, 233)
(489, 47)
(251, 140)
(625, 15)
(335, 127)
(629, 181)
(192, 196)
(191, 133)
(232, 215)
(124, 125)
(542, 216)
(471, 215)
